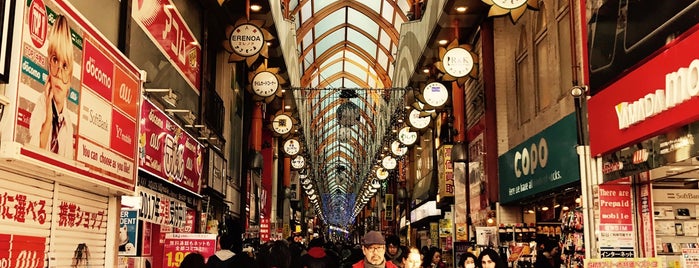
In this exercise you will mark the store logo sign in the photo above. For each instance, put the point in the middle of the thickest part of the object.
(680, 86)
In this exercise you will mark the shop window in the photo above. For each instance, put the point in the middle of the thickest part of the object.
(525, 99)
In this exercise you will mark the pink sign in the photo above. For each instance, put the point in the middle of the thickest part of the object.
(178, 245)
(167, 151)
(77, 96)
(22, 251)
(615, 205)
(167, 29)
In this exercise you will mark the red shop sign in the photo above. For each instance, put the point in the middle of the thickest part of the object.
(660, 94)
(167, 29)
(167, 151)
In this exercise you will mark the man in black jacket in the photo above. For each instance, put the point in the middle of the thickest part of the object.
(317, 257)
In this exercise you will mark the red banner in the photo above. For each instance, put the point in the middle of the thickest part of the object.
(167, 29)
(615, 204)
(167, 151)
(264, 230)
(80, 85)
(178, 245)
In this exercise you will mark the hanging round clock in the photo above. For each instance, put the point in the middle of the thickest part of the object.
(292, 147)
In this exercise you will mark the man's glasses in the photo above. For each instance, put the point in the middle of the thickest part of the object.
(375, 249)
(60, 69)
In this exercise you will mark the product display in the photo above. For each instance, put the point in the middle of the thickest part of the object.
(573, 245)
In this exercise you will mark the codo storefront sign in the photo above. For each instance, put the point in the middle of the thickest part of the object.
(543, 162)
(167, 151)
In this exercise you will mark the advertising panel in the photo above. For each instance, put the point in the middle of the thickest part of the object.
(167, 151)
(77, 98)
(543, 162)
(616, 232)
(660, 94)
(178, 245)
(128, 232)
(164, 25)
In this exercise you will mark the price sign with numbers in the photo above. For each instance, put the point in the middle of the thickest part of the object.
(178, 245)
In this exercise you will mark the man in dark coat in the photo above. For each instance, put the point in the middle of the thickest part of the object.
(318, 257)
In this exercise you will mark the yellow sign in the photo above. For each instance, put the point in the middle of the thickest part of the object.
(623, 262)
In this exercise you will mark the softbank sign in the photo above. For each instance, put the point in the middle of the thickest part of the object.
(680, 86)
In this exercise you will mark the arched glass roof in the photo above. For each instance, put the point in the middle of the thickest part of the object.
(346, 50)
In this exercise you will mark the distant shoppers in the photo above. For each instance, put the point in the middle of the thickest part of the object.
(433, 259)
(394, 250)
(193, 260)
(317, 257)
(224, 257)
(374, 248)
(549, 256)
(490, 258)
(274, 255)
(411, 258)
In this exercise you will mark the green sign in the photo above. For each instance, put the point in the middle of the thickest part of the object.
(543, 162)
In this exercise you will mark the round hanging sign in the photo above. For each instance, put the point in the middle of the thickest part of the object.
(292, 146)
(282, 124)
(265, 84)
(458, 62)
(417, 121)
(397, 149)
(298, 162)
(381, 173)
(435, 94)
(388, 162)
(406, 136)
(247, 40)
(509, 4)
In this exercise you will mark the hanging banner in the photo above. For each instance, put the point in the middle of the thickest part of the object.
(177, 246)
(164, 25)
(161, 209)
(77, 98)
(389, 207)
(445, 171)
(167, 151)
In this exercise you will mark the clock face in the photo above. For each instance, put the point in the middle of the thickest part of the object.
(298, 162)
(388, 162)
(458, 62)
(292, 147)
(435, 94)
(509, 4)
(406, 136)
(416, 121)
(265, 84)
(247, 40)
(282, 124)
(397, 149)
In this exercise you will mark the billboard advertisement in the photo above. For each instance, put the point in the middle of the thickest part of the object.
(77, 97)
(167, 151)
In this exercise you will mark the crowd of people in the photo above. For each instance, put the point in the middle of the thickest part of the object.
(375, 251)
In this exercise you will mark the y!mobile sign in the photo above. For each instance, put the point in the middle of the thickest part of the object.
(167, 29)
(77, 98)
(167, 151)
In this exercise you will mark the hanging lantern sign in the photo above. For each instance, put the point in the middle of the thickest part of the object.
(344, 134)
(406, 136)
(265, 83)
(435, 94)
(515, 8)
(247, 40)
(418, 121)
(348, 114)
(292, 146)
(458, 62)
(388, 162)
(282, 124)
(397, 149)
(298, 162)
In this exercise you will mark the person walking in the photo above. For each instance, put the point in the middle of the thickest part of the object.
(411, 258)
(374, 248)
(394, 250)
(317, 257)
(433, 259)
(489, 258)
(193, 260)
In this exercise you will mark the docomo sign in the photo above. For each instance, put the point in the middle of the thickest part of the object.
(167, 151)
(680, 86)
(527, 161)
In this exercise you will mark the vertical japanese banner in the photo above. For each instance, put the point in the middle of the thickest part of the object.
(389, 207)
(164, 25)
(147, 245)
(616, 234)
(646, 223)
(77, 98)
(128, 232)
(445, 171)
(264, 230)
(178, 245)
